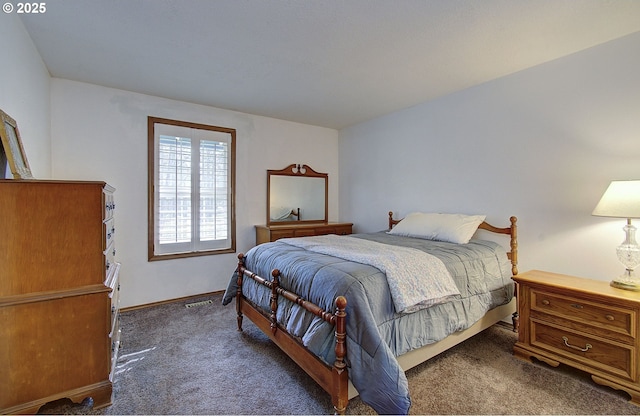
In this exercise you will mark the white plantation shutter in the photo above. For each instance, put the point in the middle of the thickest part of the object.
(214, 190)
(193, 189)
(173, 190)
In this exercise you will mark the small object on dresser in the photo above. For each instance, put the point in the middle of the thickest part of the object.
(12, 152)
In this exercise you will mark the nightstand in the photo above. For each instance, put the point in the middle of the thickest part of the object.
(583, 323)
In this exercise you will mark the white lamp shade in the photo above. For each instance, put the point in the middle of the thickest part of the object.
(620, 200)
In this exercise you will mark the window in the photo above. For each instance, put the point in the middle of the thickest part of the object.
(191, 183)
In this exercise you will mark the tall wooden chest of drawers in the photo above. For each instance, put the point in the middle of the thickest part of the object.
(58, 293)
(583, 323)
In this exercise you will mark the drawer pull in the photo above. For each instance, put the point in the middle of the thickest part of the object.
(545, 302)
(577, 306)
(610, 318)
(585, 349)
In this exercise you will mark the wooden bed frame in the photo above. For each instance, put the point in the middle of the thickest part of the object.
(334, 378)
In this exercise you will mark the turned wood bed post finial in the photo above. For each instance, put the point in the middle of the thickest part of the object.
(515, 317)
(514, 245)
(341, 397)
(274, 299)
(239, 275)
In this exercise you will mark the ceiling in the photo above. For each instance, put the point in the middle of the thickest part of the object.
(331, 63)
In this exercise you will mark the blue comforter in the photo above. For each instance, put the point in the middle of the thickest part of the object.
(376, 333)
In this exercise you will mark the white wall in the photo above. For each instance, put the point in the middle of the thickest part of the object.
(24, 93)
(101, 134)
(541, 144)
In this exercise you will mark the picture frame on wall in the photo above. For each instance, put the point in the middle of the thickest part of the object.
(4, 166)
(12, 153)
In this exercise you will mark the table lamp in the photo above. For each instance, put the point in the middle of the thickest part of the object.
(622, 200)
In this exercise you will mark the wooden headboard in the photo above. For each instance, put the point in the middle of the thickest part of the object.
(512, 231)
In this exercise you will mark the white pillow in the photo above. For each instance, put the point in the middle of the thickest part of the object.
(454, 228)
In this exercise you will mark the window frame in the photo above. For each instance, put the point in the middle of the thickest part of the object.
(152, 172)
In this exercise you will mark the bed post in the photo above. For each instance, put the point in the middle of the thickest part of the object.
(515, 317)
(340, 375)
(514, 246)
(240, 273)
(274, 300)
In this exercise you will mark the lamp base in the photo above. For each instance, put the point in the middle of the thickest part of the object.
(635, 286)
(628, 281)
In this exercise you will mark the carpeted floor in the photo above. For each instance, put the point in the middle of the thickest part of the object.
(178, 360)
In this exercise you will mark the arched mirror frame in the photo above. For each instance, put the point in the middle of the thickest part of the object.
(300, 171)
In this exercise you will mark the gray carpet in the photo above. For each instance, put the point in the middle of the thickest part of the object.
(178, 360)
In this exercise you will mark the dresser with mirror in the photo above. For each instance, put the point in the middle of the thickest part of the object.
(297, 205)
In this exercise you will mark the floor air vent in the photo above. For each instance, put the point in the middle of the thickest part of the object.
(201, 303)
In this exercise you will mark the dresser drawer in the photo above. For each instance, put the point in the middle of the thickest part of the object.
(113, 282)
(614, 358)
(344, 230)
(295, 229)
(108, 232)
(114, 336)
(115, 304)
(582, 311)
(109, 204)
(278, 234)
(109, 259)
(340, 230)
(305, 232)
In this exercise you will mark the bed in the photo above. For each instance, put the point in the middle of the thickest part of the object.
(343, 318)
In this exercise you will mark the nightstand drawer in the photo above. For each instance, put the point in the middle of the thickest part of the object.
(615, 358)
(601, 315)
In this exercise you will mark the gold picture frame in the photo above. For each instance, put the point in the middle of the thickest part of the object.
(13, 151)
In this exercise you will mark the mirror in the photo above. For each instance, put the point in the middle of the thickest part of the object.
(296, 194)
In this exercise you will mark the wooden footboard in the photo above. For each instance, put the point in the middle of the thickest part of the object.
(333, 379)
